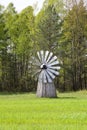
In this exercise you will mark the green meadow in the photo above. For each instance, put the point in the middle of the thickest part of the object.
(27, 112)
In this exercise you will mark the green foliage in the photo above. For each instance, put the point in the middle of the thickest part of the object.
(57, 28)
(25, 27)
(58, 4)
(74, 45)
(17, 42)
(49, 27)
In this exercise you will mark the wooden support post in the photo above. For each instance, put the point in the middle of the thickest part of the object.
(46, 90)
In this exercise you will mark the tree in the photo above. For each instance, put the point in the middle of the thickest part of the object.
(24, 25)
(16, 49)
(7, 60)
(49, 28)
(2, 41)
(75, 35)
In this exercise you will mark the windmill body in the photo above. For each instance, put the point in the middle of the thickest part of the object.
(47, 67)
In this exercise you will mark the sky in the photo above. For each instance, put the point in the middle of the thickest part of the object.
(21, 4)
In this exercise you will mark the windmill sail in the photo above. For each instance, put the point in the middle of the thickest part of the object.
(54, 67)
(39, 57)
(50, 55)
(53, 59)
(46, 55)
(53, 71)
(49, 80)
(46, 66)
(53, 63)
(51, 74)
(42, 56)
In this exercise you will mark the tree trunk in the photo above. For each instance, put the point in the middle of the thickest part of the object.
(46, 90)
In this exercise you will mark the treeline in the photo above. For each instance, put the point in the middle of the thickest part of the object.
(60, 27)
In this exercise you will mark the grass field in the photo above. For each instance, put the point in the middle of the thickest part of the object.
(26, 112)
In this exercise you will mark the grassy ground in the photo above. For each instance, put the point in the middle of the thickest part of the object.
(26, 112)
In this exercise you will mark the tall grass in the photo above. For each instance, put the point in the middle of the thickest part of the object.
(27, 112)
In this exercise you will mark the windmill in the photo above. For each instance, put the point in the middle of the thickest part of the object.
(46, 66)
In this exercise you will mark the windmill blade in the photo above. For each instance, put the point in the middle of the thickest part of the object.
(53, 59)
(48, 77)
(42, 56)
(53, 71)
(46, 55)
(50, 55)
(54, 67)
(39, 56)
(51, 74)
(53, 63)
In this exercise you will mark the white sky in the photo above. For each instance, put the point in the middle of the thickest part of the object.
(21, 4)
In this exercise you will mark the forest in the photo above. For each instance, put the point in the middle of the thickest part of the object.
(59, 27)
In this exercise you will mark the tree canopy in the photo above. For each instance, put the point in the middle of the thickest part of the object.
(60, 27)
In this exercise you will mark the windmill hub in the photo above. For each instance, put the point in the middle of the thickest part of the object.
(43, 66)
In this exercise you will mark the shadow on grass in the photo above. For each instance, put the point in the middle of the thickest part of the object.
(66, 97)
(59, 97)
